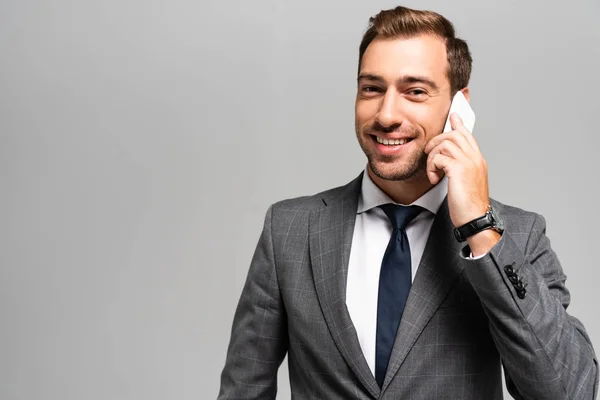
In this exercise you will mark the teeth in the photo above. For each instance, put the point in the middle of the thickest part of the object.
(394, 142)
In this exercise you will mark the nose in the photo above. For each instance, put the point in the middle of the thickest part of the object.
(389, 115)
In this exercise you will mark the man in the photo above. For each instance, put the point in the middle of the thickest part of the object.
(371, 290)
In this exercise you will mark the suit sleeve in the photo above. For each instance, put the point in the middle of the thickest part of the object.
(258, 341)
(546, 353)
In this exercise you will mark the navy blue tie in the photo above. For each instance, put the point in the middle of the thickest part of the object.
(395, 280)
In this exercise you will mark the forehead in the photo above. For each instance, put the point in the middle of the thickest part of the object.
(423, 55)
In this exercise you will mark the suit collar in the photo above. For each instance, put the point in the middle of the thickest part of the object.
(331, 228)
(330, 236)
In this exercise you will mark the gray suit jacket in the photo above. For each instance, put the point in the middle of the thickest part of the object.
(462, 320)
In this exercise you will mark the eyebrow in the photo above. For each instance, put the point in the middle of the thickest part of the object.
(407, 79)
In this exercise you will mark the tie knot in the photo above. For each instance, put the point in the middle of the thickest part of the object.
(400, 216)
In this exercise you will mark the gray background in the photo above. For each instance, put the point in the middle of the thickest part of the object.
(141, 143)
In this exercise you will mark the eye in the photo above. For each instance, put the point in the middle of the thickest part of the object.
(417, 92)
(370, 89)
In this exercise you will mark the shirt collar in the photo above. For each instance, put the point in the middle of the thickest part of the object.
(372, 196)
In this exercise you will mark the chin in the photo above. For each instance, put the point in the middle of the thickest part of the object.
(398, 170)
(389, 172)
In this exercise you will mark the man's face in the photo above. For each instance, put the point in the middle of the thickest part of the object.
(403, 94)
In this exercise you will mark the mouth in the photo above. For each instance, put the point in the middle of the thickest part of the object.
(391, 142)
(391, 146)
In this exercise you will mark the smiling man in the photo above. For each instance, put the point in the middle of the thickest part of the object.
(408, 282)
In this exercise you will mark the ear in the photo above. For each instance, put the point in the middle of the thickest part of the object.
(465, 91)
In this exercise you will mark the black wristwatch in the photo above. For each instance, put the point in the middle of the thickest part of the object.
(489, 221)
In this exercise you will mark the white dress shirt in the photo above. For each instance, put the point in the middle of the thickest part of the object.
(372, 233)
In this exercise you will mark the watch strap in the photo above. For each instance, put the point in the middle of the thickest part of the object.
(475, 226)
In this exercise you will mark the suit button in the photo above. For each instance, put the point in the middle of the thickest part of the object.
(509, 270)
(519, 286)
(521, 293)
(513, 279)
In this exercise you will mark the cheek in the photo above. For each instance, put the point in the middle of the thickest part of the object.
(365, 111)
(421, 112)
(431, 119)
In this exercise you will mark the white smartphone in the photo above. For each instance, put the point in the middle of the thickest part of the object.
(461, 106)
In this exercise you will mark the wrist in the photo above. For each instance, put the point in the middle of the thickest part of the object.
(482, 242)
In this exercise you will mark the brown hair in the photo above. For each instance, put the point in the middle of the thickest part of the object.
(403, 22)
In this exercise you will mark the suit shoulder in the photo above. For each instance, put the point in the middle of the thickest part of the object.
(307, 204)
(294, 213)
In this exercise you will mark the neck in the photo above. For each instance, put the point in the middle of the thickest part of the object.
(406, 191)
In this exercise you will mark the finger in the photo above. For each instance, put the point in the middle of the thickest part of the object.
(448, 148)
(436, 165)
(458, 125)
(456, 121)
(435, 176)
(456, 137)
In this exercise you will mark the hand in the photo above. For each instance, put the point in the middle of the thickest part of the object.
(457, 155)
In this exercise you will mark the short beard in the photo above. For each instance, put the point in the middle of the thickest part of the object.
(383, 166)
(414, 169)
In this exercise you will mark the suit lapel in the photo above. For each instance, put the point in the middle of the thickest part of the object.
(331, 231)
(440, 267)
